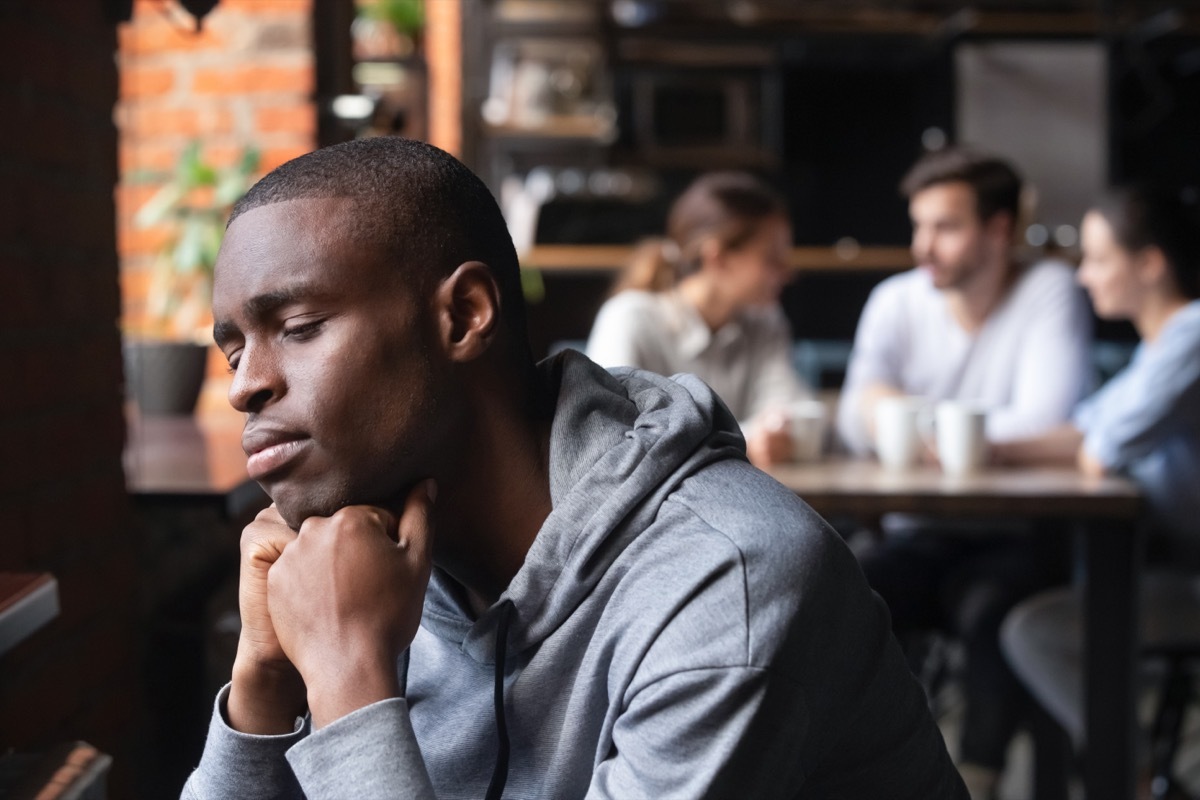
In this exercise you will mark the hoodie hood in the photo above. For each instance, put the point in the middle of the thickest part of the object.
(620, 442)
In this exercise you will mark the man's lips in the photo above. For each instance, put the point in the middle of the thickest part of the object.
(268, 451)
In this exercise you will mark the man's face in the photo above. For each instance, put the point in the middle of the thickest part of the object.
(333, 359)
(949, 240)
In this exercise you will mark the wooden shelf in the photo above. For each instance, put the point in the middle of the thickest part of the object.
(610, 258)
(576, 126)
(28, 601)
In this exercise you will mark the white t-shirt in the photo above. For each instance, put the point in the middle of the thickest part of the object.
(748, 362)
(1028, 365)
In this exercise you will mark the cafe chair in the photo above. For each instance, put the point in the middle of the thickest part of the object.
(1177, 690)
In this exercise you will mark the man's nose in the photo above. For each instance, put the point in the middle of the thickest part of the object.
(255, 381)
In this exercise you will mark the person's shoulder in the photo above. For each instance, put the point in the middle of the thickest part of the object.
(1180, 337)
(1187, 321)
(1048, 284)
(905, 295)
(1048, 273)
(903, 288)
(772, 528)
(910, 280)
(632, 308)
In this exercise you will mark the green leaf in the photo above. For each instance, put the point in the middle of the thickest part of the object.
(532, 285)
(160, 206)
(248, 165)
(188, 255)
(210, 246)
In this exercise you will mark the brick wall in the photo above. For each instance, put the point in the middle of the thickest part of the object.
(62, 500)
(246, 79)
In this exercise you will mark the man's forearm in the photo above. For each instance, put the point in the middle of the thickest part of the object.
(871, 395)
(1060, 446)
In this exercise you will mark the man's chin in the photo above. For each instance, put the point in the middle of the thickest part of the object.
(940, 279)
(295, 510)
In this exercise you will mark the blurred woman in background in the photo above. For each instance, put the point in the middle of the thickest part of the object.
(1141, 262)
(704, 299)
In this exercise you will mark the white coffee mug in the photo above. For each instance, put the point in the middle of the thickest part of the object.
(807, 425)
(897, 436)
(961, 430)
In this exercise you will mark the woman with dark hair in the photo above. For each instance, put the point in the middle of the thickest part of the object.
(1141, 262)
(704, 299)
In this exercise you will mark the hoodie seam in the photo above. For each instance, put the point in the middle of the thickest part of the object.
(745, 577)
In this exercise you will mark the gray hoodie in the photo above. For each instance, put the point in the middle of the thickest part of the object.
(682, 627)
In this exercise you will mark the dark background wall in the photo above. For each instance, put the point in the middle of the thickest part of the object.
(62, 500)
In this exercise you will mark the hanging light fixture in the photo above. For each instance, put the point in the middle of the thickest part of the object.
(198, 8)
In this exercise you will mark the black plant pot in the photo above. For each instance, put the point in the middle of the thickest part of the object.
(164, 377)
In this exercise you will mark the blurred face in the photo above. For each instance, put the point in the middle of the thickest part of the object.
(1107, 270)
(755, 273)
(949, 240)
(333, 360)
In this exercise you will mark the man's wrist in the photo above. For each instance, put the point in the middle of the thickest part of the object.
(348, 689)
(265, 700)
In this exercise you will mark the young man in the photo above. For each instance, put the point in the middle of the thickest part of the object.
(969, 323)
(483, 576)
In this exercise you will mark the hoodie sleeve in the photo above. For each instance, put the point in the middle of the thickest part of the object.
(243, 766)
(371, 752)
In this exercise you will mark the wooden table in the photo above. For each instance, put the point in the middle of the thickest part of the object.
(194, 457)
(1106, 510)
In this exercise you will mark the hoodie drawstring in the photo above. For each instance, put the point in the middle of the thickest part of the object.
(500, 772)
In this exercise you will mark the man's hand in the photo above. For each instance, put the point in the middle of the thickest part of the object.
(346, 599)
(267, 693)
(770, 443)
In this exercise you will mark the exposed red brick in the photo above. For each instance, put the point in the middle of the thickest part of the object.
(299, 118)
(254, 79)
(272, 157)
(139, 81)
(268, 6)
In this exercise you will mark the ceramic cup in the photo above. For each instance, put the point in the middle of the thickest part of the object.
(961, 433)
(897, 433)
(807, 424)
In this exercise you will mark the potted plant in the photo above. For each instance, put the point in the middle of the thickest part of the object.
(165, 364)
(387, 29)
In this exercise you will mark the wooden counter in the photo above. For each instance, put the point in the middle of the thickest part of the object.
(567, 258)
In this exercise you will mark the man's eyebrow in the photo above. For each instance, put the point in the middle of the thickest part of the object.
(262, 305)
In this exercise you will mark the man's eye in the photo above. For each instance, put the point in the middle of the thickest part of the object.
(304, 330)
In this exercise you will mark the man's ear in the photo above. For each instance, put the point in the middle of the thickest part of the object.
(1002, 226)
(467, 308)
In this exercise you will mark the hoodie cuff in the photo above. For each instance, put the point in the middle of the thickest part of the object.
(244, 765)
(372, 750)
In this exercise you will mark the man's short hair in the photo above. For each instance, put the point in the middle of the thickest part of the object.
(422, 206)
(994, 181)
